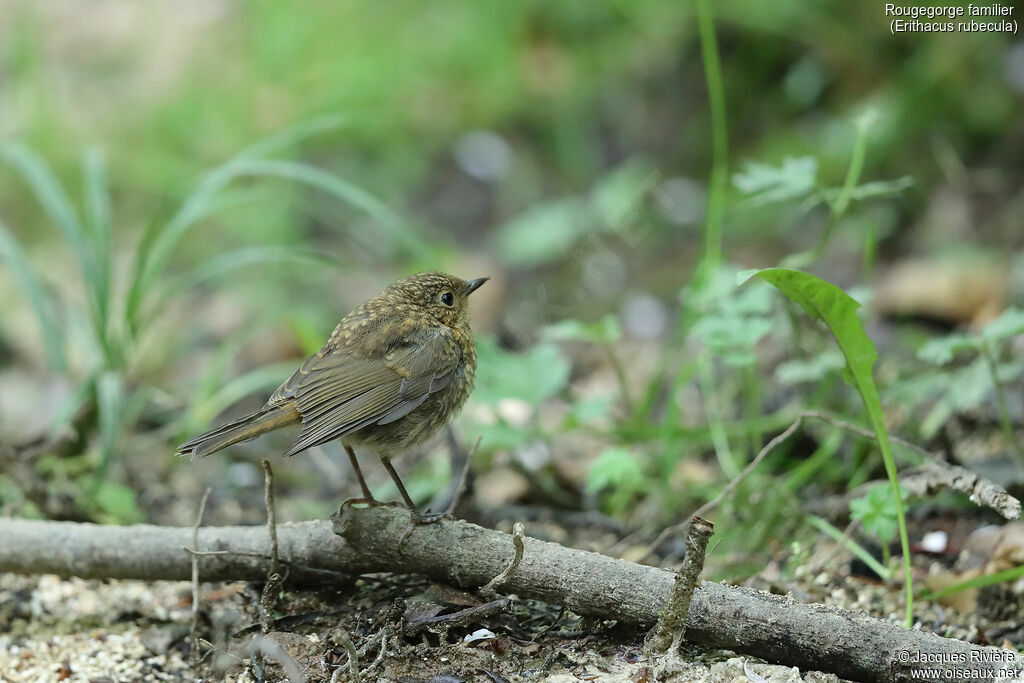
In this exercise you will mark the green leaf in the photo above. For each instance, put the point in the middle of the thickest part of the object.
(617, 469)
(542, 234)
(25, 275)
(813, 369)
(768, 184)
(878, 188)
(592, 408)
(500, 436)
(824, 301)
(877, 512)
(605, 331)
(533, 375)
(1009, 324)
(942, 350)
(117, 503)
(619, 193)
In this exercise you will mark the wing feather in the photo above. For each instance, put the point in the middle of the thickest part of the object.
(338, 392)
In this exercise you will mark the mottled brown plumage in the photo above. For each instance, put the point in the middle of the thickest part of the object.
(393, 372)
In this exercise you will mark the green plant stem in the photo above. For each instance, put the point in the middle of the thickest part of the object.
(719, 142)
(706, 377)
(825, 527)
(752, 404)
(870, 396)
(620, 378)
(853, 172)
(1004, 412)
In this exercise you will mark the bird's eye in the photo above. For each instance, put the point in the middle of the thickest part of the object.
(448, 299)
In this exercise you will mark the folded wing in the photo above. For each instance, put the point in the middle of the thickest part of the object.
(337, 391)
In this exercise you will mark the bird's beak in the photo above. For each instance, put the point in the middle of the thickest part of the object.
(474, 285)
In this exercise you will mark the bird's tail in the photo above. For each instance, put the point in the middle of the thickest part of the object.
(267, 419)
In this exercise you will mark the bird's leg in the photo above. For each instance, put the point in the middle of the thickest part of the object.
(367, 497)
(417, 516)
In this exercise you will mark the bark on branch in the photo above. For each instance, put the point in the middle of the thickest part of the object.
(849, 644)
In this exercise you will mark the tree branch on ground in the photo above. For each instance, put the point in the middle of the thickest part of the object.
(852, 645)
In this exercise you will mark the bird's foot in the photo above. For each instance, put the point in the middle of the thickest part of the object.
(417, 518)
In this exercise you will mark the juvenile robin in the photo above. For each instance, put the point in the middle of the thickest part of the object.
(394, 371)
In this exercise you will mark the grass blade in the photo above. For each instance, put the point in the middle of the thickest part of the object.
(236, 259)
(823, 526)
(109, 405)
(160, 240)
(264, 379)
(54, 201)
(345, 191)
(98, 218)
(51, 335)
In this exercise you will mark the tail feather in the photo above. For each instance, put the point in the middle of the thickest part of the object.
(249, 427)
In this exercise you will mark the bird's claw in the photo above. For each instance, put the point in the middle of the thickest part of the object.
(417, 518)
(427, 517)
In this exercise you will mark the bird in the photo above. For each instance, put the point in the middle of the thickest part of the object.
(394, 371)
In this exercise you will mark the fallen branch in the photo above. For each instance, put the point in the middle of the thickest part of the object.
(849, 644)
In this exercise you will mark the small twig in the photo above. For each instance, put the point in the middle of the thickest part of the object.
(195, 573)
(668, 632)
(513, 565)
(353, 656)
(210, 647)
(729, 488)
(460, 618)
(380, 655)
(268, 598)
(268, 495)
(209, 553)
(461, 487)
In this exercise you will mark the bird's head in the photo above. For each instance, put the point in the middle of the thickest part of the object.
(443, 296)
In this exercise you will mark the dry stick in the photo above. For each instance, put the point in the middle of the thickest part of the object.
(195, 573)
(517, 540)
(380, 655)
(933, 476)
(353, 656)
(776, 628)
(671, 622)
(268, 597)
(460, 618)
(461, 488)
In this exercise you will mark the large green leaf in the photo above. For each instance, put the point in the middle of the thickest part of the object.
(825, 302)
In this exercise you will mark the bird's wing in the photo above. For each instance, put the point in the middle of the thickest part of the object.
(339, 391)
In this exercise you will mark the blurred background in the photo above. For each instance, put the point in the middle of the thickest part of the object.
(192, 195)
